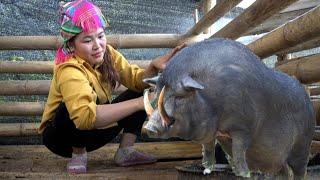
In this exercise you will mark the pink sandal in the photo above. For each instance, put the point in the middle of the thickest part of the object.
(128, 157)
(77, 164)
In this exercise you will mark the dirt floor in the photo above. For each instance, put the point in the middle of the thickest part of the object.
(36, 162)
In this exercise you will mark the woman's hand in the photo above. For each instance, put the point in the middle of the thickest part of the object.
(160, 62)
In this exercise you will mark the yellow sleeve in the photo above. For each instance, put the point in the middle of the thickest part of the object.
(130, 75)
(78, 95)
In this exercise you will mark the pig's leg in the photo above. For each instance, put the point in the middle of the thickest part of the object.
(298, 159)
(240, 144)
(208, 157)
(285, 173)
(226, 145)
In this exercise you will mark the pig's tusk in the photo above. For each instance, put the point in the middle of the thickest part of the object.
(147, 105)
(162, 112)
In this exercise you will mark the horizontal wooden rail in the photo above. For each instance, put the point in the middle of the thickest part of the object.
(33, 87)
(44, 67)
(305, 69)
(253, 16)
(117, 41)
(288, 35)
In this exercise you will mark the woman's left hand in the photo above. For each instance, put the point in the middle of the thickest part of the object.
(160, 62)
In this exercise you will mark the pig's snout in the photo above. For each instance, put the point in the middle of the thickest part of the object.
(151, 129)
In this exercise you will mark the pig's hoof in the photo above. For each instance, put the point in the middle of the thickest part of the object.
(245, 174)
(206, 171)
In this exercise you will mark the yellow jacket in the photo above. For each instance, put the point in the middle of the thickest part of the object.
(79, 86)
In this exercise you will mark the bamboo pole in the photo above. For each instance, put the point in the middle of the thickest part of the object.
(44, 67)
(28, 87)
(18, 129)
(21, 108)
(212, 16)
(117, 41)
(253, 16)
(305, 69)
(313, 43)
(33, 87)
(275, 21)
(301, 29)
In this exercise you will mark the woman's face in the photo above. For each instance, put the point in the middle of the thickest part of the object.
(91, 46)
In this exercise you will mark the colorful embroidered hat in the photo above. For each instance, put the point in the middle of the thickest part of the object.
(76, 17)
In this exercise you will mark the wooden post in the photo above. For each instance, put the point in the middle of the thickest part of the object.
(253, 16)
(301, 29)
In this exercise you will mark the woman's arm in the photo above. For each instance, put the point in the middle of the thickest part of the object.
(111, 113)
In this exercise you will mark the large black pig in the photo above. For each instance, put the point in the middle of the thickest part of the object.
(219, 89)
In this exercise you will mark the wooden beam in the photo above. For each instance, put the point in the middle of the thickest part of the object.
(212, 16)
(44, 67)
(305, 69)
(117, 41)
(301, 29)
(254, 15)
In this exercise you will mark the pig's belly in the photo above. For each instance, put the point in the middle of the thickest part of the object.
(266, 159)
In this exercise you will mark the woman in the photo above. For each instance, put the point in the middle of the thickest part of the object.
(78, 108)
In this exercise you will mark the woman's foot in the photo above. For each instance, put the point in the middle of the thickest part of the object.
(78, 163)
(127, 156)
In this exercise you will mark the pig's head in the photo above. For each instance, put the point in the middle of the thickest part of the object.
(180, 111)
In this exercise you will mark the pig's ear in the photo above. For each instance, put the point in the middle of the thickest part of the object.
(190, 84)
(151, 81)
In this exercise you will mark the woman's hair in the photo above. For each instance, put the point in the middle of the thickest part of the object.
(108, 72)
